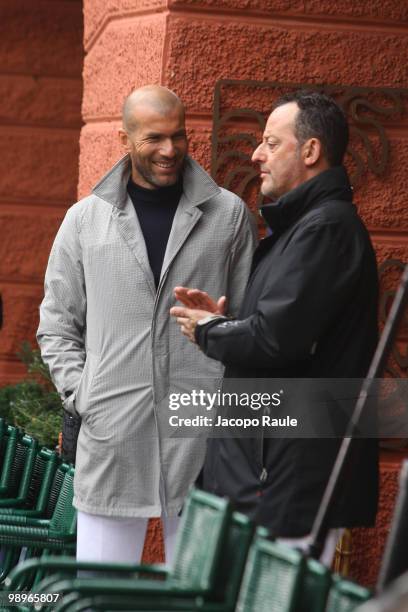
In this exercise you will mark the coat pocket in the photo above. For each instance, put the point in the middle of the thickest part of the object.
(85, 383)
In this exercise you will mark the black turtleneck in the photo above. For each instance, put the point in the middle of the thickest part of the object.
(155, 209)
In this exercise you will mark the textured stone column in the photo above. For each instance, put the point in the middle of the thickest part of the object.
(40, 100)
(189, 45)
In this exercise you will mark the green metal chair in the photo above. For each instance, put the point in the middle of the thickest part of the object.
(34, 536)
(18, 472)
(20, 517)
(314, 587)
(40, 486)
(272, 582)
(232, 563)
(201, 539)
(221, 599)
(20, 453)
(311, 597)
(47, 498)
(3, 428)
(11, 436)
(346, 596)
(56, 533)
(272, 578)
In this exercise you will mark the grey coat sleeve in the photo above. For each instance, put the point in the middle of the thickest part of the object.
(243, 247)
(61, 333)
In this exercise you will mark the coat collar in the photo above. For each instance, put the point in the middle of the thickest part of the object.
(198, 186)
(332, 184)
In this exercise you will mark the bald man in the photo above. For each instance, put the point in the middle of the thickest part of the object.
(155, 220)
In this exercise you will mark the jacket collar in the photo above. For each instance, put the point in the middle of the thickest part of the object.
(198, 186)
(331, 184)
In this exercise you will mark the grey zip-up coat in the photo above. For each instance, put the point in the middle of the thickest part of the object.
(113, 350)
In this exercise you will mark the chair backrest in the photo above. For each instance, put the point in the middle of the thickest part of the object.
(3, 429)
(200, 539)
(45, 465)
(314, 588)
(233, 558)
(22, 467)
(63, 521)
(272, 578)
(18, 463)
(346, 596)
(395, 557)
(11, 436)
(55, 489)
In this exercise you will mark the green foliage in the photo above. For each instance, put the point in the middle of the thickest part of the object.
(33, 404)
(34, 364)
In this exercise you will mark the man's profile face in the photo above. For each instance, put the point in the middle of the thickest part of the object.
(279, 154)
(157, 146)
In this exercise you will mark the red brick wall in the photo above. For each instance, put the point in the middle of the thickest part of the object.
(40, 99)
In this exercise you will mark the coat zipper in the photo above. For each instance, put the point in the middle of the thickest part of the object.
(264, 474)
(162, 487)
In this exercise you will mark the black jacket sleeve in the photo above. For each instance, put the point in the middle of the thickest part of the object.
(299, 296)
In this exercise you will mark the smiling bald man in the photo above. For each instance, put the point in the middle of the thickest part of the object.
(155, 220)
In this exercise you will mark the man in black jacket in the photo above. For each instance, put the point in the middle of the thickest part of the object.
(310, 311)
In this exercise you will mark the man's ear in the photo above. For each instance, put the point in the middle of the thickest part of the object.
(124, 139)
(312, 151)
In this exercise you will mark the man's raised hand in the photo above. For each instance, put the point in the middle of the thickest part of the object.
(200, 300)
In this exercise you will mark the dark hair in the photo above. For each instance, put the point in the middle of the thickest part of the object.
(319, 117)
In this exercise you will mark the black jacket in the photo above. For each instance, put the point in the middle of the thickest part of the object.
(310, 311)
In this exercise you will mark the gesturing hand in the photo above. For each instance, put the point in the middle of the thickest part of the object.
(196, 299)
(187, 319)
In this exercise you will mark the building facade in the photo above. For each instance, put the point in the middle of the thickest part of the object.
(66, 66)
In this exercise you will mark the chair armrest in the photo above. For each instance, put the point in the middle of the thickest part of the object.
(157, 569)
(26, 521)
(11, 519)
(69, 564)
(11, 502)
(118, 586)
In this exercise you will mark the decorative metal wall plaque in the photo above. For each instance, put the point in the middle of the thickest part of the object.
(394, 408)
(389, 273)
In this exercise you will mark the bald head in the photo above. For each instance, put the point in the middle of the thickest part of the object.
(154, 135)
(150, 97)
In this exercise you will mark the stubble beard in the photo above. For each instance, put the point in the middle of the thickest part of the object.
(268, 193)
(150, 178)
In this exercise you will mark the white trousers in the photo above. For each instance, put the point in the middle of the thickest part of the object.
(327, 556)
(115, 539)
